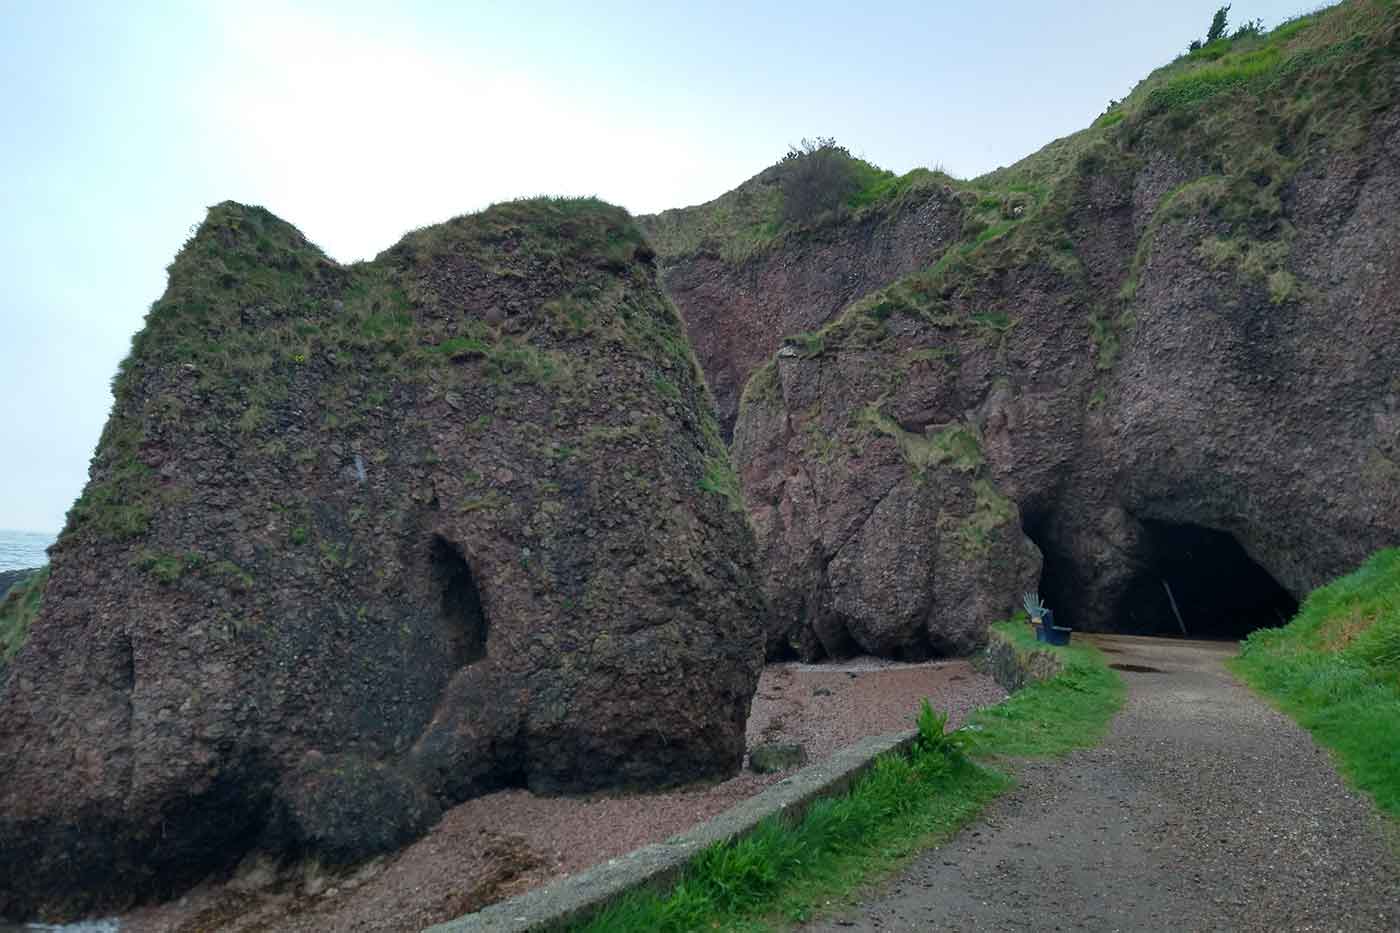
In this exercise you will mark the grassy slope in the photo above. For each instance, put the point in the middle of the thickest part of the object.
(1336, 669)
(1247, 113)
(902, 806)
(748, 220)
(17, 612)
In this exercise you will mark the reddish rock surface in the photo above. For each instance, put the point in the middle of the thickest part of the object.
(1182, 338)
(738, 310)
(363, 542)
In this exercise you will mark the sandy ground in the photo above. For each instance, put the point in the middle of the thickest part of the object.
(503, 844)
(1204, 809)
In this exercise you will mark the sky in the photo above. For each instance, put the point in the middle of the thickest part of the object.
(121, 123)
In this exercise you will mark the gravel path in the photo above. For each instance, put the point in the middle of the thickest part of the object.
(502, 844)
(1204, 809)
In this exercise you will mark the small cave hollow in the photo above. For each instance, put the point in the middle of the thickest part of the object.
(460, 612)
(1197, 582)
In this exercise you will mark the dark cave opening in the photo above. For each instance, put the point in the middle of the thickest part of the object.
(1197, 582)
(460, 609)
(1219, 591)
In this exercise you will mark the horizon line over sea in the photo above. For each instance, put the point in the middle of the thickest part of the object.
(21, 550)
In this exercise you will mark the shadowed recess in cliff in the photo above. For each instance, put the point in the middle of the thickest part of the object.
(1218, 591)
(461, 611)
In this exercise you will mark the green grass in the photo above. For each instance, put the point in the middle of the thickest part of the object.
(1336, 670)
(1057, 716)
(721, 480)
(784, 873)
(749, 220)
(1208, 80)
(17, 612)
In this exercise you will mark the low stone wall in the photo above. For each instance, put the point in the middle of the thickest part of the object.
(1014, 666)
(578, 897)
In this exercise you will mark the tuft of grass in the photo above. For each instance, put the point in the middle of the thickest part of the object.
(165, 568)
(1336, 670)
(810, 345)
(763, 387)
(721, 480)
(990, 512)
(957, 445)
(904, 804)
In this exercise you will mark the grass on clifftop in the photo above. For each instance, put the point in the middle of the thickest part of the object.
(267, 327)
(833, 186)
(1238, 119)
(906, 803)
(1336, 670)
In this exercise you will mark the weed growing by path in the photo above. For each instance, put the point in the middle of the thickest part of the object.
(904, 804)
(1336, 670)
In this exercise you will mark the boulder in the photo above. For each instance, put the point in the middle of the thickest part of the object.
(363, 541)
(774, 757)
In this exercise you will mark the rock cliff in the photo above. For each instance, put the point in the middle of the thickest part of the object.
(1172, 332)
(360, 542)
(739, 300)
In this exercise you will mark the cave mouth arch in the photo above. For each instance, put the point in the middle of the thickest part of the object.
(1218, 590)
(459, 609)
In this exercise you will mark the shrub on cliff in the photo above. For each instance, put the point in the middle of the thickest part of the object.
(818, 176)
(1218, 24)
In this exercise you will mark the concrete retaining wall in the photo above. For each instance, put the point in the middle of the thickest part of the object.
(578, 897)
(1014, 667)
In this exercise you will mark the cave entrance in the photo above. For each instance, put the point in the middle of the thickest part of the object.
(1199, 582)
(460, 610)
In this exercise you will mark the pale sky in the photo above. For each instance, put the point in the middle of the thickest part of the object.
(356, 122)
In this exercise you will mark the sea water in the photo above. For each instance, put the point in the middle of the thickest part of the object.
(20, 550)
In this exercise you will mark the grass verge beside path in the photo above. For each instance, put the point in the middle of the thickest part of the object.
(1336, 670)
(904, 804)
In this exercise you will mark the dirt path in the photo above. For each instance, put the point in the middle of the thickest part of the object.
(1204, 809)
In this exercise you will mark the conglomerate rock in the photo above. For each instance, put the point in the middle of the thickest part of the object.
(363, 541)
(1184, 317)
(738, 309)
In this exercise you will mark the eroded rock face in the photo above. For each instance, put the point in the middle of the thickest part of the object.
(738, 310)
(1181, 330)
(362, 542)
